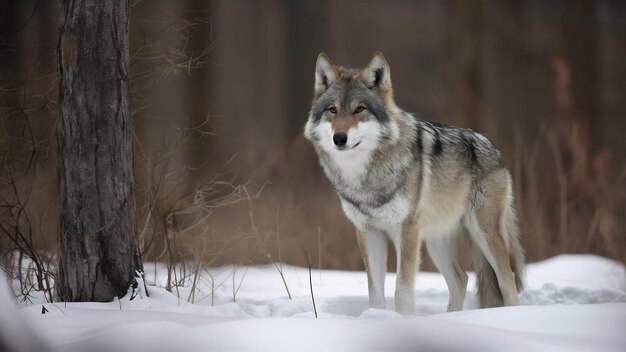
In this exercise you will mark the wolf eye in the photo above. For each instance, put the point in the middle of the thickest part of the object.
(359, 109)
(332, 109)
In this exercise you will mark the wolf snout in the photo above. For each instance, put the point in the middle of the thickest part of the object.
(340, 139)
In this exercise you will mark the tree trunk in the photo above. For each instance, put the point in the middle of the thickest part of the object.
(99, 257)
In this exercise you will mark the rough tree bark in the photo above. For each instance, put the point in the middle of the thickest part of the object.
(99, 257)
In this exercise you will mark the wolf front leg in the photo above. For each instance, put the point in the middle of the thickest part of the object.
(373, 247)
(407, 250)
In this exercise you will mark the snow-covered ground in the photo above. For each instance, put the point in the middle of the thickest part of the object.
(572, 302)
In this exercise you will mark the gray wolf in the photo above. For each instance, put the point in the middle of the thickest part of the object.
(405, 180)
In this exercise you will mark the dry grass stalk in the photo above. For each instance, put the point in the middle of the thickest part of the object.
(311, 283)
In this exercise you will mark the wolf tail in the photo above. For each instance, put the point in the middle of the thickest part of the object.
(489, 294)
(488, 291)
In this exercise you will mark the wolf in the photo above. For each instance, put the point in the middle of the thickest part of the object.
(404, 180)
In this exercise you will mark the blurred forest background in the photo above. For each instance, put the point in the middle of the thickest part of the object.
(220, 92)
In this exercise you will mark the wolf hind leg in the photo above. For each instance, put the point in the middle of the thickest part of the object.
(494, 250)
(442, 251)
(373, 247)
(485, 224)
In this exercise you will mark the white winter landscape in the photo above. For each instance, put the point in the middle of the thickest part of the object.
(572, 303)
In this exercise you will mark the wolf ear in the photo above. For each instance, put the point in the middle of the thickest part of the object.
(377, 73)
(325, 74)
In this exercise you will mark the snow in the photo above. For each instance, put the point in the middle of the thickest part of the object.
(573, 302)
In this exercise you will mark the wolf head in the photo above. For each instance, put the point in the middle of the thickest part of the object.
(351, 109)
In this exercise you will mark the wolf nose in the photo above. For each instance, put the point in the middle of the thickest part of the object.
(340, 139)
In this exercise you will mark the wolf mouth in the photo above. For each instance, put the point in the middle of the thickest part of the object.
(343, 149)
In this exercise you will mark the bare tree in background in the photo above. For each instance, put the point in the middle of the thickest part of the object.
(99, 255)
